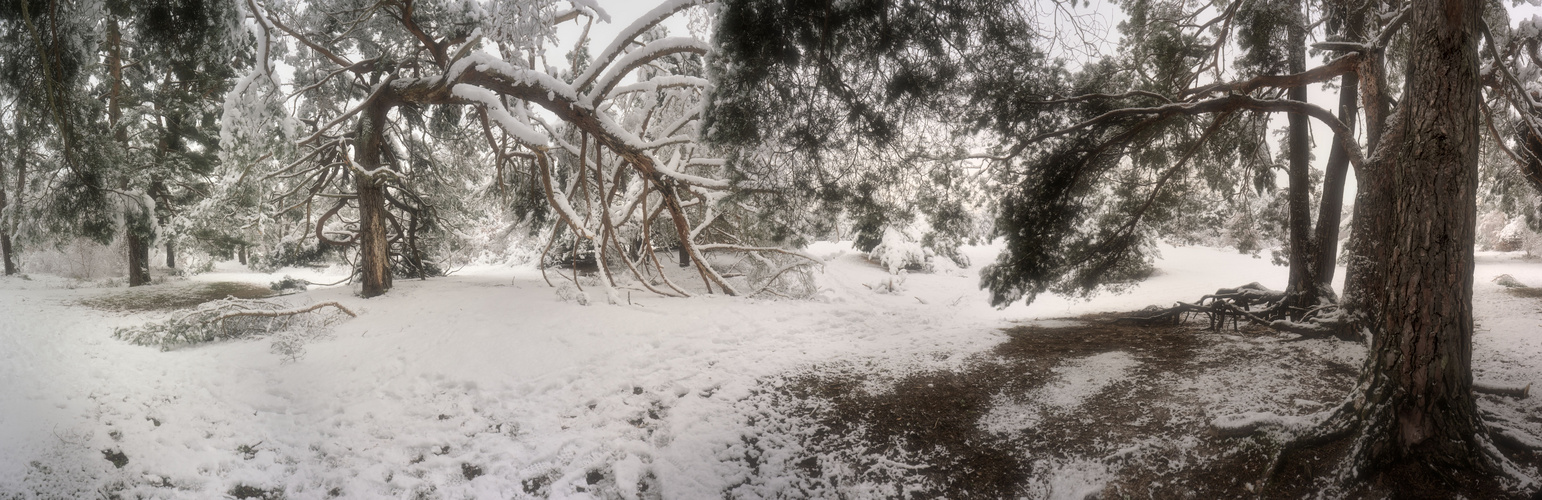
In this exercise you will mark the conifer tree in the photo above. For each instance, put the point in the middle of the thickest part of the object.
(1087, 193)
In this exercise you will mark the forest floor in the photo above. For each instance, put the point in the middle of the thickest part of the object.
(486, 384)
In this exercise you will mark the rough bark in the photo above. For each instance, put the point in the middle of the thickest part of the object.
(5, 232)
(374, 249)
(138, 259)
(1331, 206)
(137, 245)
(1326, 236)
(20, 201)
(1411, 277)
(1302, 290)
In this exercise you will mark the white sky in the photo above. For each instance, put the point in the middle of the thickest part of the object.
(622, 14)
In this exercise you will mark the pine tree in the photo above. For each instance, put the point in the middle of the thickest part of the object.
(122, 165)
(1085, 195)
(378, 90)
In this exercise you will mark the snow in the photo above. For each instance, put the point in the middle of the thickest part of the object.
(1078, 380)
(643, 23)
(625, 64)
(486, 384)
(669, 170)
(489, 101)
(661, 82)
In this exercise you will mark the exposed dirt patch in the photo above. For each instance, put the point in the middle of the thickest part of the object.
(1093, 410)
(170, 296)
(1528, 292)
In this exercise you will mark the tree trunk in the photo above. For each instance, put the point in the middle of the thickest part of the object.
(138, 245)
(1351, 17)
(171, 254)
(1302, 291)
(374, 249)
(5, 227)
(241, 254)
(1326, 237)
(1411, 279)
(5, 247)
(138, 259)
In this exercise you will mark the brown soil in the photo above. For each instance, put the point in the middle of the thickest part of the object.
(170, 296)
(918, 435)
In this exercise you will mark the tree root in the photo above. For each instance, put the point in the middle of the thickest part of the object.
(1235, 305)
(1343, 421)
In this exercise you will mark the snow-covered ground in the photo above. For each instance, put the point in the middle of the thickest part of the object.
(486, 385)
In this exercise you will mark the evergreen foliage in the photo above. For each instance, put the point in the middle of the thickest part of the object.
(922, 104)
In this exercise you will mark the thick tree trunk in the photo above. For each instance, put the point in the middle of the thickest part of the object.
(374, 249)
(1411, 278)
(138, 259)
(138, 245)
(1302, 291)
(241, 254)
(171, 254)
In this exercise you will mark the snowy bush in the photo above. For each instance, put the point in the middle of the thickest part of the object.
(891, 284)
(290, 344)
(789, 277)
(232, 319)
(566, 292)
(1489, 227)
(1516, 236)
(901, 250)
(1508, 281)
(79, 259)
(1510, 238)
(288, 284)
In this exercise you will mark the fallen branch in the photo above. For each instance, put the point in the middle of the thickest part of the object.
(1517, 392)
(230, 319)
(286, 312)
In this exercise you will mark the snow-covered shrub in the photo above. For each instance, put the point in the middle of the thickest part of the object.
(1516, 236)
(786, 277)
(232, 319)
(290, 343)
(1510, 237)
(892, 284)
(901, 250)
(79, 259)
(566, 292)
(288, 284)
(1508, 281)
(1489, 227)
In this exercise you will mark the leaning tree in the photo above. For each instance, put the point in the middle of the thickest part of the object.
(1080, 200)
(614, 157)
